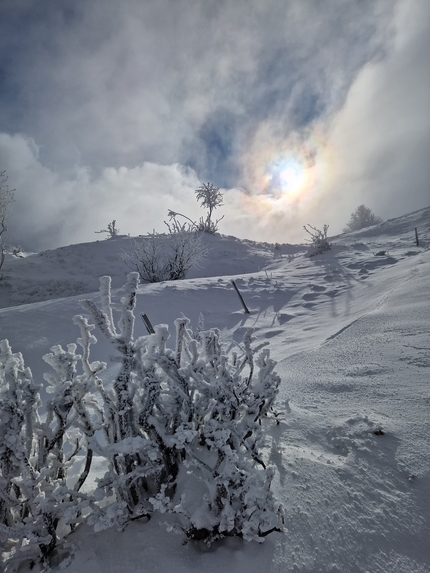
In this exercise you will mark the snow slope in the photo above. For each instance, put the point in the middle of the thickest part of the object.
(75, 269)
(350, 331)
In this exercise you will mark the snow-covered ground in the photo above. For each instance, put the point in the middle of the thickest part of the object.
(350, 330)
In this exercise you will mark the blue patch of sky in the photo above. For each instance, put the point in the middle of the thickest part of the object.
(215, 146)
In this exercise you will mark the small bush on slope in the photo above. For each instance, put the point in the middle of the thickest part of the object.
(171, 422)
(319, 242)
(362, 217)
(165, 257)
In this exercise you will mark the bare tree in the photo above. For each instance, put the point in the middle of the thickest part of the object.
(111, 230)
(210, 198)
(362, 217)
(7, 197)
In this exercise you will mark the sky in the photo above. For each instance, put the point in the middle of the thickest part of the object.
(298, 110)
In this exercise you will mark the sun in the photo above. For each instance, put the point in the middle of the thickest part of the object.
(292, 176)
(286, 172)
(286, 176)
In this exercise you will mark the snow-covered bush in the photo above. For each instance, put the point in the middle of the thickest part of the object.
(175, 226)
(163, 257)
(362, 217)
(318, 243)
(16, 251)
(37, 506)
(181, 431)
(189, 414)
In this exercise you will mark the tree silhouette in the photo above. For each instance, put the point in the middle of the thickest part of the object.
(362, 217)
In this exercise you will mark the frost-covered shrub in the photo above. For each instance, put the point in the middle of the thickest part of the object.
(181, 431)
(221, 444)
(15, 250)
(189, 414)
(318, 243)
(37, 507)
(162, 257)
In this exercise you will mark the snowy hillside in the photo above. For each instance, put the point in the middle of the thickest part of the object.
(76, 269)
(350, 331)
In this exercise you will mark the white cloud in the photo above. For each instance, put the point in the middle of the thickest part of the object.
(51, 211)
(381, 137)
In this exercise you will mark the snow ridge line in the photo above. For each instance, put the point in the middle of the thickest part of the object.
(336, 334)
(391, 291)
(378, 306)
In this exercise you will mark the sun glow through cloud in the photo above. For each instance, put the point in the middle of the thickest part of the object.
(286, 175)
(287, 179)
(291, 175)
